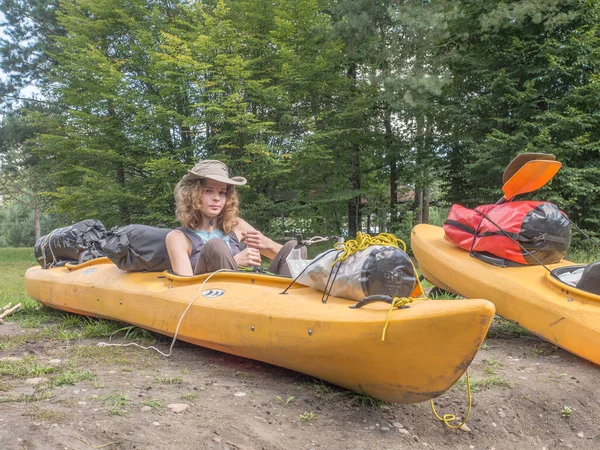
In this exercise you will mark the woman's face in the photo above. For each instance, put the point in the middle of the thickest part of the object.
(213, 197)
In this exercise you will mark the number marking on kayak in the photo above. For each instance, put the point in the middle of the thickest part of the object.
(213, 293)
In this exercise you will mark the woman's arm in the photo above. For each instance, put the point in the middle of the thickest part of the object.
(179, 248)
(255, 239)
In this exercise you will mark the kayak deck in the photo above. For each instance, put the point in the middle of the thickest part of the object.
(245, 314)
(529, 296)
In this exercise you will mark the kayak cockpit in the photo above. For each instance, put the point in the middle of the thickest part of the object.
(583, 279)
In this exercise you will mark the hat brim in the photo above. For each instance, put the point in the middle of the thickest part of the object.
(235, 181)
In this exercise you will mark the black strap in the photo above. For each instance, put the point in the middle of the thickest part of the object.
(513, 236)
(460, 226)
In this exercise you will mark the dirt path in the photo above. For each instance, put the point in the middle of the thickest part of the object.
(528, 394)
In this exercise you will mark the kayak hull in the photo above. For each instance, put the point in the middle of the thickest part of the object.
(427, 346)
(528, 296)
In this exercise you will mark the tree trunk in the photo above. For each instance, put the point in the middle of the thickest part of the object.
(354, 206)
(418, 206)
(354, 213)
(120, 178)
(36, 218)
(425, 215)
(393, 162)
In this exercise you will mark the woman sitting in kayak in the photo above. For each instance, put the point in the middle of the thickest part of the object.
(207, 206)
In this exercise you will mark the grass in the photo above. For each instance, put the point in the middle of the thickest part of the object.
(286, 401)
(556, 376)
(27, 367)
(308, 416)
(566, 411)
(490, 365)
(328, 392)
(155, 404)
(190, 397)
(37, 396)
(61, 326)
(70, 377)
(245, 375)
(13, 264)
(165, 379)
(583, 254)
(111, 356)
(502, 328)
(539, 351)
(47, 415)
(116, 403)
(483, 384)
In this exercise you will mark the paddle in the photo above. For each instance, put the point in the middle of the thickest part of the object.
(531, 176)
(522, 159)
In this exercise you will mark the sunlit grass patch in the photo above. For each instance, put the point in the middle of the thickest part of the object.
(14, 262)
(308, 416)
(483, 384)
(70, 377)
(285, 402)
(27, 367)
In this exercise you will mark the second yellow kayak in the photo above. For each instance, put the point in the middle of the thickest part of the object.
(529, 296)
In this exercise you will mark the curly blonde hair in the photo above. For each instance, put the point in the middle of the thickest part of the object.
(187, 206)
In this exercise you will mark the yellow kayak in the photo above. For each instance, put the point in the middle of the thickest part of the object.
(529, 296)
(427, 347)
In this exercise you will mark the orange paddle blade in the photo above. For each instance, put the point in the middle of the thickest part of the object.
(522, 159)
(532, 176)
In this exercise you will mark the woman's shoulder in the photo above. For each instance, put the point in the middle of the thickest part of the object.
(177, 238)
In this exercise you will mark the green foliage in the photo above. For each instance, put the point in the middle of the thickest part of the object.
(330, 109)
(525, 80)
(17, 225)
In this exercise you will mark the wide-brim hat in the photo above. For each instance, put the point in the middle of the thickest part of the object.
(213, 170)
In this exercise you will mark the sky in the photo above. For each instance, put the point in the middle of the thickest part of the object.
(2, 35)
(28, 91)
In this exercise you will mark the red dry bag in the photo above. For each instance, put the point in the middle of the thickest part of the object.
(524, 232)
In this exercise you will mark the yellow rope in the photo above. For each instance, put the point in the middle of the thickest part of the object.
(451, 417)
(397, 302)
(364, 240)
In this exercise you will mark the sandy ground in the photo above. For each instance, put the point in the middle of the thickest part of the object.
(528, 395)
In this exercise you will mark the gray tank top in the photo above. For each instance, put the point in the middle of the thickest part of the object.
(197, 243)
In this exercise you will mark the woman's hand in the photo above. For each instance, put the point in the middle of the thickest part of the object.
(255, 239)
(248, 257)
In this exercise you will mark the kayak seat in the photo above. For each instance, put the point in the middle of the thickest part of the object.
(590, 279)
